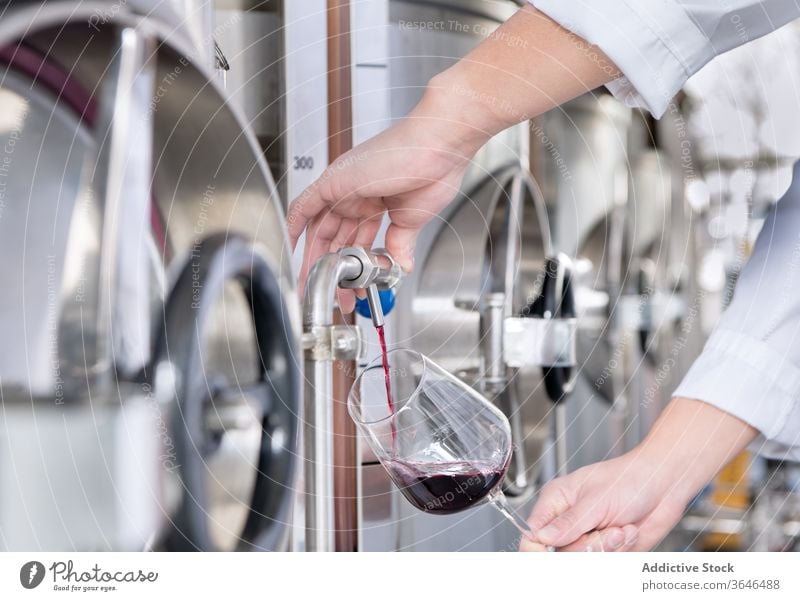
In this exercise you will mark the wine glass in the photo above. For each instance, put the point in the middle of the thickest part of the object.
(444, 445)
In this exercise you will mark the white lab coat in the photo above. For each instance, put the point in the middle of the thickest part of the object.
(750, 366)
(659, 44)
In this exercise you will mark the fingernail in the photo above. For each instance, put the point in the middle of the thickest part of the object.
(548, 532)
(615, 539)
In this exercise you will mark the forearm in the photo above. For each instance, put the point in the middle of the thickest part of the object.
(689, 443)
(529, 65)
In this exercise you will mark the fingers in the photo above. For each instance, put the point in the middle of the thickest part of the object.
(594, 542)
(367, 230)
(318, 240)
(346, 300)
(653, 528)
(345, 235)
(400, 242)
(561, 517)
(571, 525)
(526, 545)
(553, 501)
(630, 534)
(303, 209)
(612, 539)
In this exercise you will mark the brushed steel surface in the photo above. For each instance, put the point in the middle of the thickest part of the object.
(580, 157)
(251, 39)
(79, 481)
(183, 166)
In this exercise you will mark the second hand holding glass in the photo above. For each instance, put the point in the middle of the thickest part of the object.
(444, 445)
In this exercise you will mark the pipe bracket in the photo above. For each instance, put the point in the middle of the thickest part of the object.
(536, 342)
(650, 312)
(334, 343)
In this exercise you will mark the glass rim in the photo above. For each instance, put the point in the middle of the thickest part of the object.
(377, 362)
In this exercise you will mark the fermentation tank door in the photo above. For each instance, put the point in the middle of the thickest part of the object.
(234, 418)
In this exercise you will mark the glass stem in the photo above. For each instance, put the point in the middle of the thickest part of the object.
(498, 499)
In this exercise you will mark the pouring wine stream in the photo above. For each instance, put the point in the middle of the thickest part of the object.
(378, 320)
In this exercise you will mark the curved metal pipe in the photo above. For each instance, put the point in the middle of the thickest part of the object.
(318, 307)
(319, 299)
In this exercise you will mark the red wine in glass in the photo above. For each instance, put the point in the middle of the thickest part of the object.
(454, 447)
(444, 487)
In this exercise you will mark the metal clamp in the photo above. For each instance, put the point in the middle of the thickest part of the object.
(557, 302)
(334, 343)
(535, 342)
(378, 268)
(650, 312)
(390, 273)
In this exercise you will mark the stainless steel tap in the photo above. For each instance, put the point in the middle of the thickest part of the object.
(375, 307)
(384, 273)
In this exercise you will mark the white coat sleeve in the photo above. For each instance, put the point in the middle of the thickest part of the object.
(750, 366)
(659, 44)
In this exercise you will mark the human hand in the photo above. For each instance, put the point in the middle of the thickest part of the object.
(409, 172)
(642, 494)
(616, 505)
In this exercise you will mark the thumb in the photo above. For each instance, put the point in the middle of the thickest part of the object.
(569, 526)
(400, 242)
(347, 300)
(613, 538)
(555, 498)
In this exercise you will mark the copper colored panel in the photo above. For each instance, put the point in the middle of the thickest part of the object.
(340, 140)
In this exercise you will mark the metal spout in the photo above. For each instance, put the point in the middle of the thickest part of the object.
(375, 307)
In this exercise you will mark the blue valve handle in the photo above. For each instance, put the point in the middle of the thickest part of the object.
(388, 298)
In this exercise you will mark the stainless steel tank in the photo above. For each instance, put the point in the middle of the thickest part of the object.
(664, 234)
(614, 189)
(487, 264)
(580, 156)
(250, 35)
(150, 380)
(274, 59)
